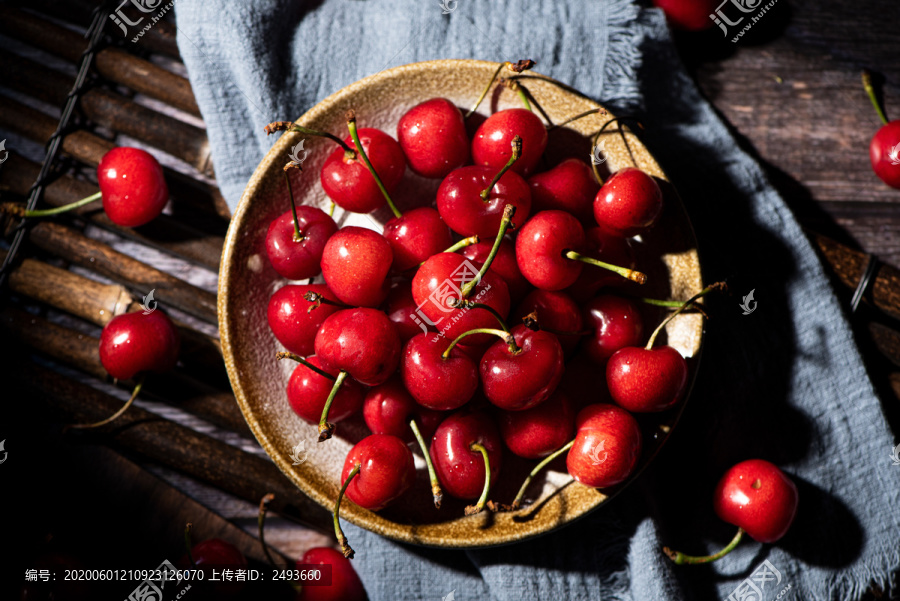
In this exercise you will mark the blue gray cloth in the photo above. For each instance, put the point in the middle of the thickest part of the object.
(785, 383)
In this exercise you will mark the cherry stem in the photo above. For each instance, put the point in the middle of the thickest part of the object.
(467, 304)
(870, 90)
(684, 305)
(271, 128)
(628, 274)
(345, 544)
(505, 336)
(326, 429)
(621, 133)
(517, 502)
(519, 90)
(472, 510)
(187, 543)
(331, 209)
(436, 491)
(508, 212)
(595, 111)
(680, 558)
(516, 145)
(298, 237)
(667, 303)
(462, 244)
(518, 67)
(58, 210)
(261, 520)
(317, 299)
(114, 416)
(351, 125)
(287, 355)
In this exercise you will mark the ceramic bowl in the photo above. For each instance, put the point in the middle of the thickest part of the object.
(668, 255)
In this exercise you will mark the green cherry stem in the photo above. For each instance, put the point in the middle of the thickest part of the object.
(455, 247)
(351, 125)
(467, 304)
(286, 355)
(298, 237)
(326, 429)
(436, 491)
(261, 520)
(21, 212)
(516, 145)
(518, 67)
(684, 305)
(517, 502)
(504, 336)
(505, 223)
(870, 90)
(597, 138)
(628, 274)
(114, 416)
(271, 128)
(473, 509)
(681, 559)
(345, 544)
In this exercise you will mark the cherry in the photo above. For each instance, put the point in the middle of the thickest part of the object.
(401, 310)
(134, 343)
(615, 323)
(755, 496)
(345, 583)
(537, 432)
(606, 448)
(212, 556)
(491, 143)
(362, 342)
(435, 381)
(608, 248)
(471, 200)
(884, 149)
(132, 184)
(355, 264)
(689, 15)
(570, 187)
(309, 387)
(519, 375)
(645, 380)
(433, 137)
(389, 407)
(468, 453)
(298, 257)
(504, 265)
(295, 320)
(415, 236)
(377, 470)
(629, 203)
(555, 312)
(541, 246)
(346, 178)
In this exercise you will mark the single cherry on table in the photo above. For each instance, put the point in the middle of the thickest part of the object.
(345, 583)
(884, 149)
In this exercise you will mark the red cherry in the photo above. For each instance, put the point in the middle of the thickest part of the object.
(606, 247)
(491, 143)
(401, 310)
(386, 471)
(504, 265)
(541, 246)
(363, 342)
(307, 392)
(299, 260)
(757, 496)
(646, 380)
(211, 557)
(345, 583)
(436, 382)
(389, 407)
(607, 446)
(524, 378)
(433, 137)
(291, 320)
(460, 468)
(690, 15)
(355, 264)
(884, 152)
(437, 285)
(616, 323)
(570, 187)
(415, 236)
(348, 182)
(133, 187)
(537, 432)
(462, 207)
(134, 342)
(629, 203)
(556, 313)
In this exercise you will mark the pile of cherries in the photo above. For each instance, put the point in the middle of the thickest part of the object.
(464, 339)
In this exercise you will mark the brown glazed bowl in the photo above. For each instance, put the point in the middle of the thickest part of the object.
(668, 256)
